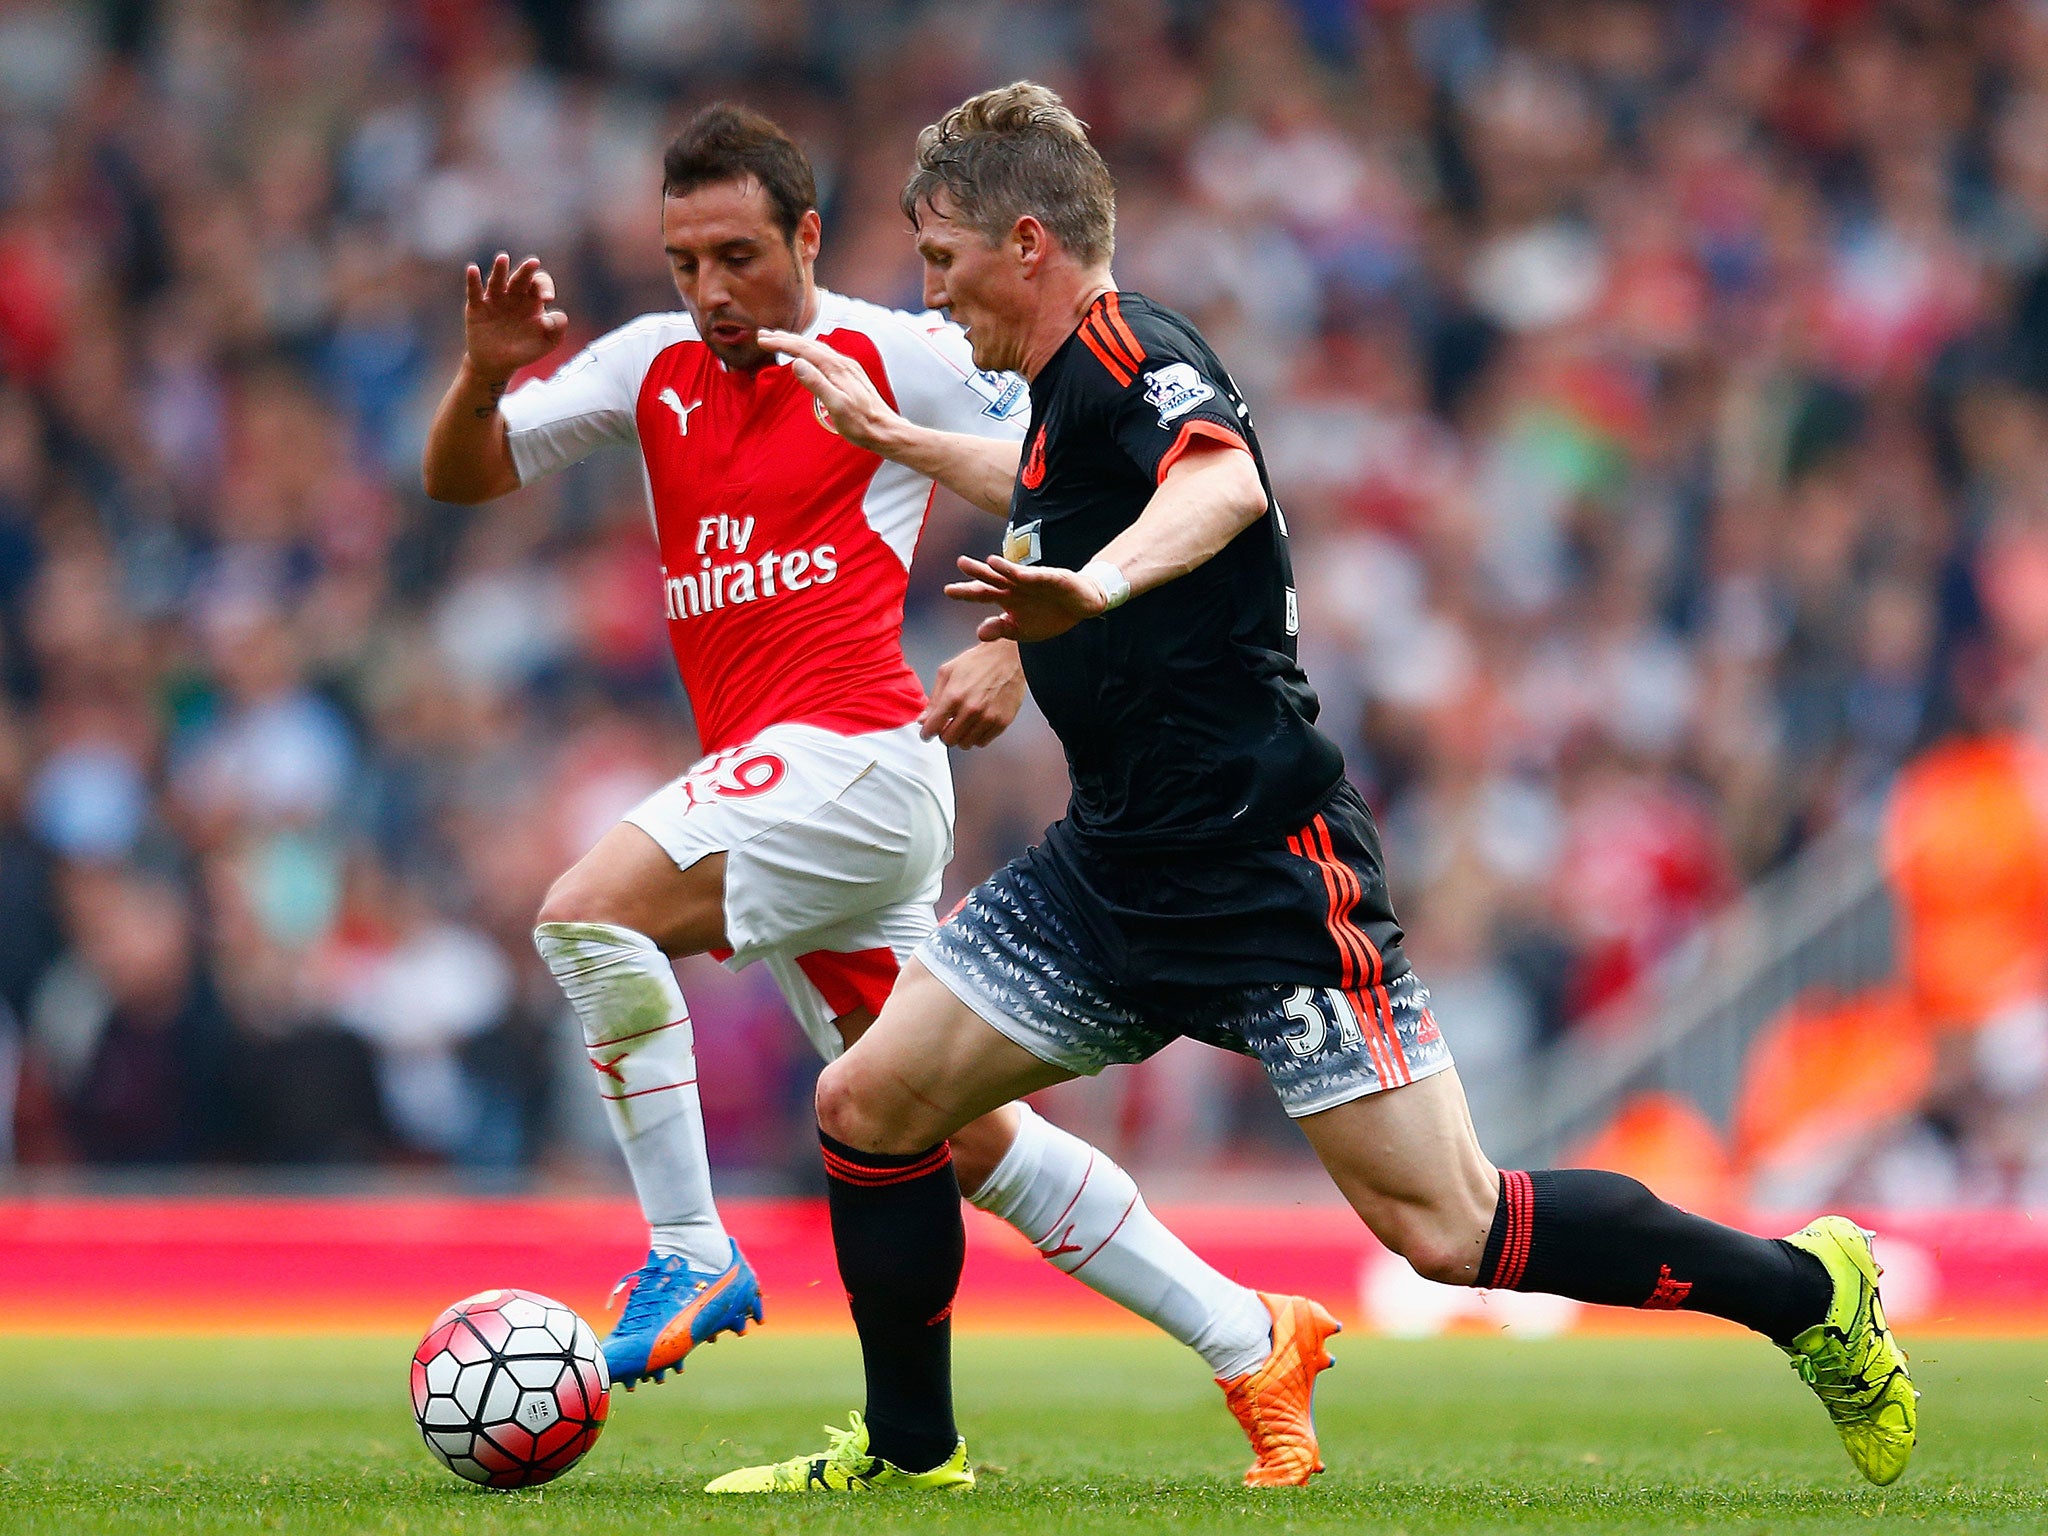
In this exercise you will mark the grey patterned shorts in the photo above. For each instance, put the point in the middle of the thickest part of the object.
(1014, 955)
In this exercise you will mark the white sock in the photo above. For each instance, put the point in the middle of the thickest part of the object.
(637, 1028)
(1086, 1216)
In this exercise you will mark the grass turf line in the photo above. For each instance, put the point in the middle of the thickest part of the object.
(1088, 1434)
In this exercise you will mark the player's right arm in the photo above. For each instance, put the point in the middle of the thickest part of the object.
(977, 468)
(1206, 498)
(507, 323)
(980, 470)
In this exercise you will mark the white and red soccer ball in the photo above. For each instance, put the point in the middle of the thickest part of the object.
(509, 1389)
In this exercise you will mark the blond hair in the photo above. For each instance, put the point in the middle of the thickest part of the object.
(1016, 151)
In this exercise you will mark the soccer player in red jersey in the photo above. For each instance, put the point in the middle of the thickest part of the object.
(1215, 876)
(812, 835)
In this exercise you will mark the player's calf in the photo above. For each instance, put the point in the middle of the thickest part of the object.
(1407, 1160)
(1083, 1213)
(1410, 1165)
(1605, 1238)
(897, 1230)
(641, 1048)
(860, 1109)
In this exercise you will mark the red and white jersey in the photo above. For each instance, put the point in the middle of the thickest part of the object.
(785, 550)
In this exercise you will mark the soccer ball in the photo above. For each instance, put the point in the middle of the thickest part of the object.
(509, 1389)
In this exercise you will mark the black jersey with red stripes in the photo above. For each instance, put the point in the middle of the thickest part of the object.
(1187, 721)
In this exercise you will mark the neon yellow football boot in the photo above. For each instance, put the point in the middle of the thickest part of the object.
(1850, 1359)
(846, 1467)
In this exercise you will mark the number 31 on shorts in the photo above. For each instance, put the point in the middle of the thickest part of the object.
(1316, 1011)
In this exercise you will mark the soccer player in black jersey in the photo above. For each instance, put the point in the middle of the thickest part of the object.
(1215, 876)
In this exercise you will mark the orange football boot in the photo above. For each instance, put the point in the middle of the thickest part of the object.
(1276, 1402)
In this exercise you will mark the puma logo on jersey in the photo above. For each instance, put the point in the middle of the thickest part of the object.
(674, 402)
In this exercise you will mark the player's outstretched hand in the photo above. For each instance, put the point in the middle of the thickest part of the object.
(858, 411)
(1038, 601)
(975, 696)
(507, 322)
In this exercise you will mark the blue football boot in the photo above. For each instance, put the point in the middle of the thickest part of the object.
(672, 1308)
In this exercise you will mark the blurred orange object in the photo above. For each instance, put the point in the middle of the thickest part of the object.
(1966, 846)
(1663, 1139)
(1827, 1071)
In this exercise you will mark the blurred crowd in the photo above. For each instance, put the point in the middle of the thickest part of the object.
(1657, 391)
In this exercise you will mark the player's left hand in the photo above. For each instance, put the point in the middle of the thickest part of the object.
(858, 411)
(975, 696)
(1038, 601)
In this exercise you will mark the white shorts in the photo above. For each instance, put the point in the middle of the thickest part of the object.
(835, 846)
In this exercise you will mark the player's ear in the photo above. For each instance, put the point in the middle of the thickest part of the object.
(1031, 244)
(810, 231)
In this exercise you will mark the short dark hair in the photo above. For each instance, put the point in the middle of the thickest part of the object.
(1014, 151)
(725, 142)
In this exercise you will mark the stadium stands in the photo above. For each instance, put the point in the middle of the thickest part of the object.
(1656, 394)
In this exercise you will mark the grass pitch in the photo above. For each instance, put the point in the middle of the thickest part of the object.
(1069, 1434)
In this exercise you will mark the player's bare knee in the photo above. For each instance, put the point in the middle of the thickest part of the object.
(862, 1106)
(840, 1113)
(571, 900)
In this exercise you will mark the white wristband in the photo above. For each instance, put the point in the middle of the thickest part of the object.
(1115, 590)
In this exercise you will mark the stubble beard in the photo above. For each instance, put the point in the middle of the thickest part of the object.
(746, 357)
(749, 356)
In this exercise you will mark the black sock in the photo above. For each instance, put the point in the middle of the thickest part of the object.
(896, 1225)
(1603, 1237)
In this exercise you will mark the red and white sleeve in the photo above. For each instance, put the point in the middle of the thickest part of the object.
(586, 404)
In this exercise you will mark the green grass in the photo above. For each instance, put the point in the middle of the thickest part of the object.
(1069, 1434)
